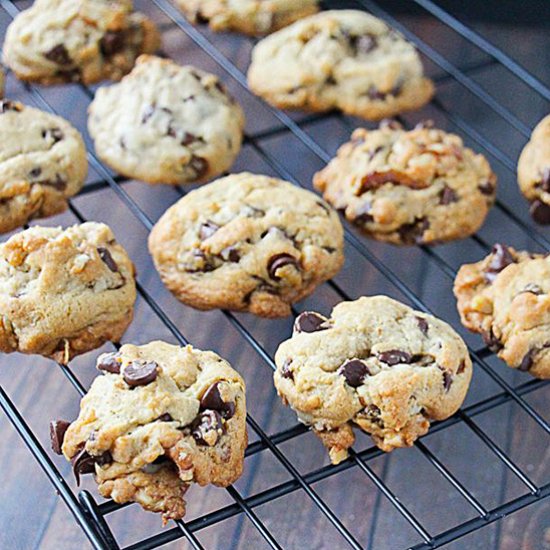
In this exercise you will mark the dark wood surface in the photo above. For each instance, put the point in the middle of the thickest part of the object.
(32, 516)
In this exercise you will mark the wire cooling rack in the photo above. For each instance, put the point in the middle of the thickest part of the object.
(469, 472)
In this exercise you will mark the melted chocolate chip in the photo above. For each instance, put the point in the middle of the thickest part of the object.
(492, 342)
(528, 360)
(82, 463)
(35, 172)
(199, 166)
(532, 289)
(189, 138)
(166, 417)
(109, 363)
(447, 196)
(285, 370)
(103, 459)
(212, 399)
(59, 54)
(411, 233)
(372, 414)
(57, 434)
(461, 367)
(207, 229)
(422, 325)
(7, 105)
(230, 254)
(309, 321)
(395, 357)
(280, 260)
(486, 188)
(363, 44)
(363, 215)
(540, 212)
(107, 259)
(140, 373)
(54, 134)
(58, 183)
(112, 42)
(208, 422)
(354, 372)
(501, 259)
(447, 379)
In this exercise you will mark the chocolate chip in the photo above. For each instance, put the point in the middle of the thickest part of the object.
(540, 212)
(54, 134)
(58, 183)
(230, 254)
(461, 367)
(112, 42)
(411, 233)
(363, 44)
(212, 399)
(35, 172)
(486, 188)
(57, 434)
(106, 257)
(103, 459)
(7, 105)
(372, 414)
(528, 360)
(532, 289)
(277, 262)
(59, 54)
(285, 370)
(501, 258)
(447, 379)
(394, 357)
(207, 422)
(207, 229)
(189, 138)
(447, 196)
(140, 372)
(422, 325)
(166, 417)
(82, 463)
(309, 321)
(545, 180)
(109, 363)
(363, 215)
(492, 342)
(199, 166)
(354, 372)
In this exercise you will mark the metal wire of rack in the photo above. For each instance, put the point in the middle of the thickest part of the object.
(92, 517)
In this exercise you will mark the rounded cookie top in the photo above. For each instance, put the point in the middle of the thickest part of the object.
(254, 17)
(42, 163)
(407, 187)
(247, 242)
(506, 298)
(376, 364)
(341, 59)
(160, 418)
(164, 123)
(534, 172)
(64, 292)
(56, 41)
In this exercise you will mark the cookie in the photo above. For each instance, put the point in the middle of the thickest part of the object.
(247, 242)
(252, 17)
(506, 298)
(57, 41)
(406, 187)
(64, 292)
(342, 59)
(164, 123)
(534, 172)
(159, 419)
(42, 163)
(375, 364)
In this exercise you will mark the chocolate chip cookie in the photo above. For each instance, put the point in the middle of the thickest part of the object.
(164, 123)
(247, 242)
(406, 187)
(57, 41)
(375, 364)
(534, 172)
(506, 298)
(343, 59)
(42, 163)
(160, 418)
(253, 17)
(64, 292)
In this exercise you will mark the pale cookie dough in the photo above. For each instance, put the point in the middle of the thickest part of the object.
(506, 298)
(42, 163)
(253, 17)
(160, 418)
(247, 243)
(534, 172)
(64, 292)
(375, 364)
(409, 187)
(164, 123)
(342, 59)
(57, 41)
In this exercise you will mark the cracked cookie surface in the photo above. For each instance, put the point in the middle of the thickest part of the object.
(247, 242)
(159, 419)
(64, 292)
(375, 364)
(409, 187)
(253, 17)
(534, 172)
(506, 298)
(164, 123)
(42, 163)
(57, 41)
(343, 59)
